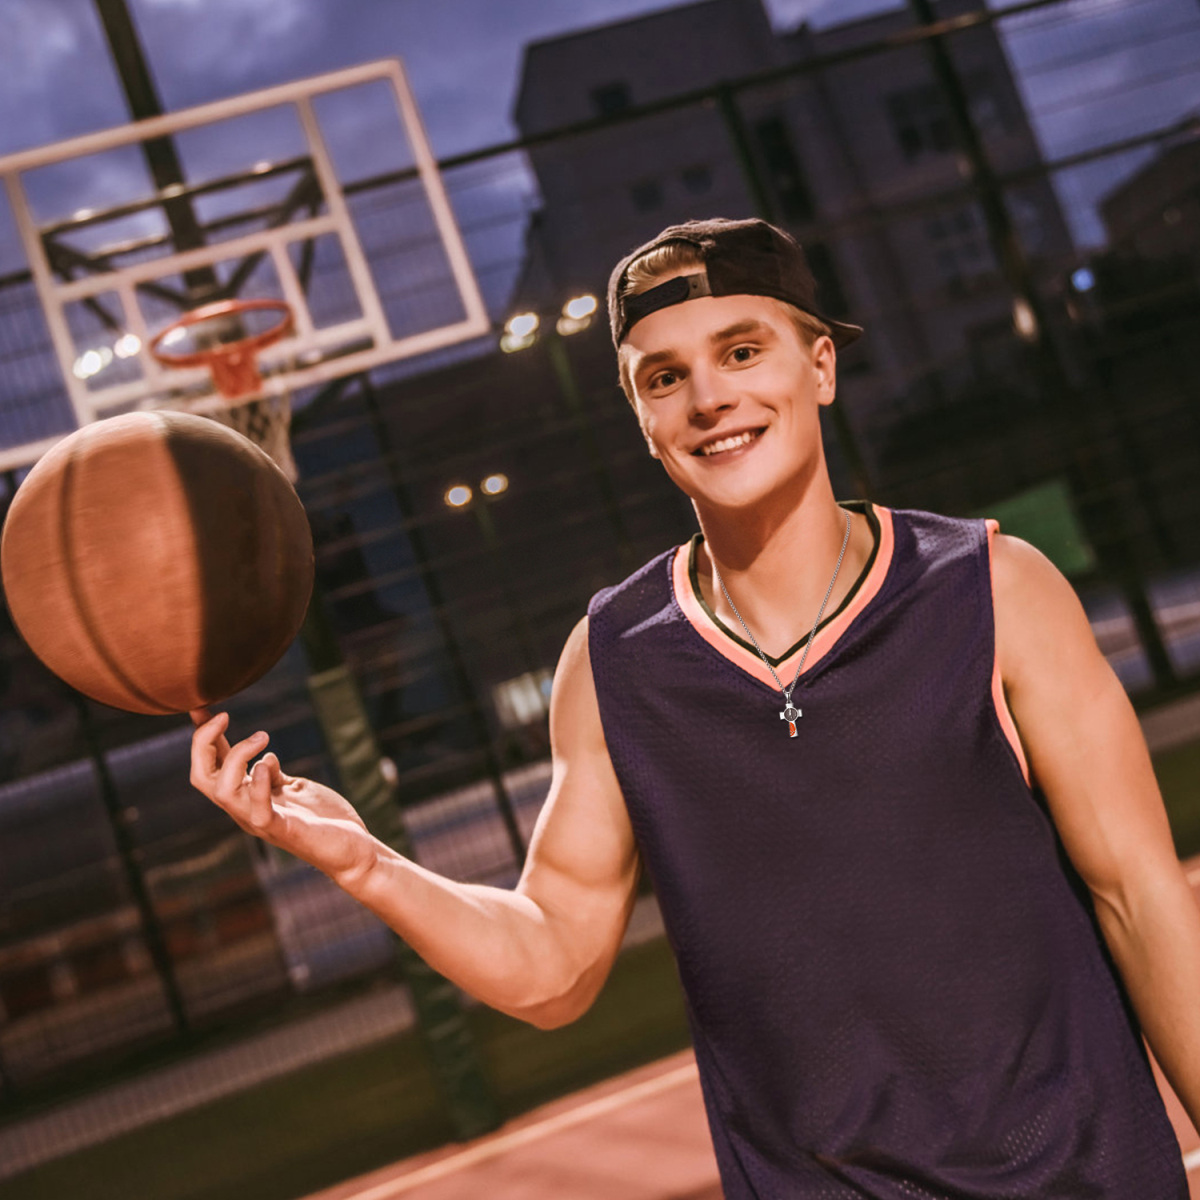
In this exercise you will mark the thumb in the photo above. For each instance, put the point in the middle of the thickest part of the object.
(271, 763)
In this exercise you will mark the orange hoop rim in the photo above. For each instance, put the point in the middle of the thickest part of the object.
(223, 308)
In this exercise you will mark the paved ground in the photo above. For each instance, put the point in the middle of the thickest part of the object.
(641, 1136)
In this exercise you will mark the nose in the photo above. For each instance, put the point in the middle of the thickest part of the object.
(712, 393)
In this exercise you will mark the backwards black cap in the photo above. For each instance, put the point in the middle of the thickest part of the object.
(741, 258)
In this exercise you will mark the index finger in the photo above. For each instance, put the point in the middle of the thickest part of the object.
(200, 717)
(209, 746)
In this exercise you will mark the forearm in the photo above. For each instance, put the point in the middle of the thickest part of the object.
(1154, 936)
(497, 945)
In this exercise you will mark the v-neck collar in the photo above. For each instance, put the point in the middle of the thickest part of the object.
(738, 650)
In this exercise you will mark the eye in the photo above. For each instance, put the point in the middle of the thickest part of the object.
(664, 379)
(743, 354)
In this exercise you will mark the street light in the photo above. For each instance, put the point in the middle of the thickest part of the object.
(520, 331)
(577, 314)
(1024, 321)
(92, 362)
(460, 496)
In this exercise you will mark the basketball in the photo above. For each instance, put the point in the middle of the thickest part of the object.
(157, 561)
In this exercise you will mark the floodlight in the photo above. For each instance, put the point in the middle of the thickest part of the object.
(522, 325)
(577, 315)
(509, 344)
(580, 307)
(87, 364)
(1024, 322)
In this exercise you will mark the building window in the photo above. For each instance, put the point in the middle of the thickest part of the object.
(920, 116)
(611, 98)
(696, 179)
(920, 121)
(646, 194)
(783, 169)
(989, 104)
(960, 247)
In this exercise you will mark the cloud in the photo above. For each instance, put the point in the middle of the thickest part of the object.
(38, 39)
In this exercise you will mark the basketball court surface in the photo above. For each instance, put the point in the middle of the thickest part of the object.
(641, 1136)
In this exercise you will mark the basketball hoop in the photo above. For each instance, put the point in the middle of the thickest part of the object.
(265, 420)
(234, 364)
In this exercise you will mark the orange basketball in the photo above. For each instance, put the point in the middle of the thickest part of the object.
(157, 561)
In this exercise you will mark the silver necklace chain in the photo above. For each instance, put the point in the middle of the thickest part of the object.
(790, 711)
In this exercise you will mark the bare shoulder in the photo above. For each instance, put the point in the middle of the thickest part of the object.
(1081, 734)
(1042, 632)
(574, 709)
(583, 833)
(1024, 577)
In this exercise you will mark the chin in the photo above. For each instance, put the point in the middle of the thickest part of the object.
(754, 490)
(731, 498)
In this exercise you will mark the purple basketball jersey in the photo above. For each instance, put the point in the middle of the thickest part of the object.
(895, 980)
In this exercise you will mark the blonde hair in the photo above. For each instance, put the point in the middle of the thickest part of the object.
(672, 258)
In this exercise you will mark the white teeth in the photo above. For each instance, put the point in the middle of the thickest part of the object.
(729, 443)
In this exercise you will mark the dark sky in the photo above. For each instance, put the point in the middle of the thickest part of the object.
(462, 55)
(1091, 70)
(1093, 67)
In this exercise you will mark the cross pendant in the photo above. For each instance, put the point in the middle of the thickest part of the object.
(790, 714)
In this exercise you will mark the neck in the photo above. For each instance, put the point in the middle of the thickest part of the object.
(777, 565)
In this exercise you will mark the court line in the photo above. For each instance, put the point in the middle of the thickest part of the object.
(527, 1134)
(577, 1116)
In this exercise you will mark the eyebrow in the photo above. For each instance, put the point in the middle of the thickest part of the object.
(740, 329)
(736, 330)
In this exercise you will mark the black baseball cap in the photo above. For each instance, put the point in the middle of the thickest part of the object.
(741, 258)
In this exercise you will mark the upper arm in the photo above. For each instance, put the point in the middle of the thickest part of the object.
(1080, 733)
(582, 867)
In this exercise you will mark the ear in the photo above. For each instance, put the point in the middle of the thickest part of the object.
(824, 362)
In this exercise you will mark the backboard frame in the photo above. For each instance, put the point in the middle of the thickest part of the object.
(310, 356)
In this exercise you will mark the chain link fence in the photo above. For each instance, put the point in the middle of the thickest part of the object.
(1018, 228)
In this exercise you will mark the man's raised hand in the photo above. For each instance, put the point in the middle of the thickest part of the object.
(298, 815)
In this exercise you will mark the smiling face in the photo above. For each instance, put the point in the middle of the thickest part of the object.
(727, 394)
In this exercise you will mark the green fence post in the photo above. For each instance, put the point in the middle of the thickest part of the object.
(354, 749)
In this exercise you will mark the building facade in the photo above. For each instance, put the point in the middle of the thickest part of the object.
(851, 147)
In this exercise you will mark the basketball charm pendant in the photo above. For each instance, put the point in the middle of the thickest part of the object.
(791, 714)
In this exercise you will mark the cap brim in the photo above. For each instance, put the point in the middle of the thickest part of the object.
(843, 334)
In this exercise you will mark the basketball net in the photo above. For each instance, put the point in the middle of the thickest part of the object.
(267, 423)
(264, 420)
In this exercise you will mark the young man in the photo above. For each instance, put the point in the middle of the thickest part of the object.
(905, 833)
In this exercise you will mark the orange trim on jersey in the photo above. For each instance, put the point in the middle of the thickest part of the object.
(998, 698)
(826, 638)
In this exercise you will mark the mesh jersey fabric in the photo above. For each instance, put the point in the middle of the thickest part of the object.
(894, 977)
